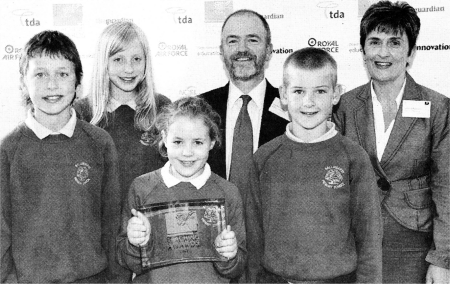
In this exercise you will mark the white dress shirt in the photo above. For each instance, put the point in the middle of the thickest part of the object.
(381, 135)
(255, 109)
(198, 182)
(41, 131)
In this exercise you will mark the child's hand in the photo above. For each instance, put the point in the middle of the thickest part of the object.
(226, 243)
(138, 229)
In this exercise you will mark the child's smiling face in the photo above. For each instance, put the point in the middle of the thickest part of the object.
(51, 84)
(126, 68)
(309, 96)
(188, 144)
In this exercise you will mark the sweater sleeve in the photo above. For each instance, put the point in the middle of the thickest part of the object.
(111, 212)
(128, 256)
(235, 218)
(366, 220)
(440, 186)
(254, 225)
(7, 263)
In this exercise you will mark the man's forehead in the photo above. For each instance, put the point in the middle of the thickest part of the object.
(244, 24)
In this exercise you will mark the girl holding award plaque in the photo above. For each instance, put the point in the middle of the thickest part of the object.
(187, 223)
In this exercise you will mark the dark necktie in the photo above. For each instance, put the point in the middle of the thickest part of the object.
(242, 150)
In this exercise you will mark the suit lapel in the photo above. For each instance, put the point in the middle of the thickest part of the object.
(271, 124)
(218, 100)
(402, 125)
(365, 127)
(220, 106)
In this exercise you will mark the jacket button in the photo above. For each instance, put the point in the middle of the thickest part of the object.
(383, 184)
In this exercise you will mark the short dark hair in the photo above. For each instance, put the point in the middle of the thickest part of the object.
(310, 58)
(388, 17)
(191, 107)
(53, 44)
(251, 12)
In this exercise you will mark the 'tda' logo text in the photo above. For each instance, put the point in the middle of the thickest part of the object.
(336, 15)
(185, 20)
(26, 18)
(31, 23)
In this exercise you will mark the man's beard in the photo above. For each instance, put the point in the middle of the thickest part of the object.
(258, 66)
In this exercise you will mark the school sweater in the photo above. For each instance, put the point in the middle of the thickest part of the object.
(60, 202)
(313, 211)
(136, 156)
(150, 189)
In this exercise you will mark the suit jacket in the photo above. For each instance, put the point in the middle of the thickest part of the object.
(413, 173)
(272, 125)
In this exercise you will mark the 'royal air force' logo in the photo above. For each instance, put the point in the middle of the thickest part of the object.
(333, 177)
(82, 176)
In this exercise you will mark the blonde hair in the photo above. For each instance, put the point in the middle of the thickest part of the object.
(114, 39)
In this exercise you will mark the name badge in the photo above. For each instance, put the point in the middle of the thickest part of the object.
(278, 110)
(416, 109)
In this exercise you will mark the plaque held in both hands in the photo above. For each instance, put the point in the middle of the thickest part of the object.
(183, 231)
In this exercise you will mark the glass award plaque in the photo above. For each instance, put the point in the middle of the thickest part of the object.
(183, 231)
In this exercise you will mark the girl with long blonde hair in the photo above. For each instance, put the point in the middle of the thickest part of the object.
(122, 99)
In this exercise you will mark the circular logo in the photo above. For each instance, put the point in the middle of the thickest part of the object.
(211, 216)
(333, 177)
(175, 10)
(22, 13)
(312, 41)
(327, 4)
(9, 49)
(146, 139)
(162, 45)
(82, 173)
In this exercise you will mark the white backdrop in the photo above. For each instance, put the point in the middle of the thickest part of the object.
(184, 38)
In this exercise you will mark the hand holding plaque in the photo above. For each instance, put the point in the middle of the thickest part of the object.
(138, 229)
(183, 231)
(226, 243)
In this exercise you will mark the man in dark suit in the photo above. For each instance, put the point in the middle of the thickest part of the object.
(245, 48)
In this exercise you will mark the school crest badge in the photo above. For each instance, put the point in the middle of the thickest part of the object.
(333, 177)
(145, 138)
(82, 176)
(211, 216)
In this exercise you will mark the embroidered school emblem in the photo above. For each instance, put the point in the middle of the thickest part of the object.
(333, 177)
(211, 216)
(82, 173)
(145, 138)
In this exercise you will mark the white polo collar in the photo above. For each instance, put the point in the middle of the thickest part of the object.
(329, 134)
(198, 182)
(114, 104)
(42, 131)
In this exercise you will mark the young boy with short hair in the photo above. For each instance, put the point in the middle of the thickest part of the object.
(313, 212)
(60, 195)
